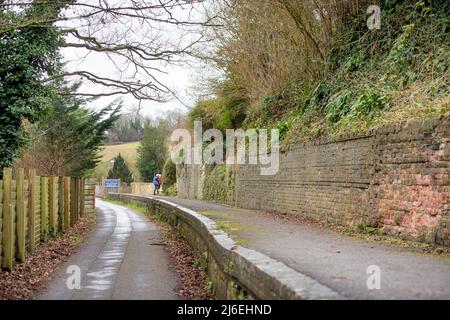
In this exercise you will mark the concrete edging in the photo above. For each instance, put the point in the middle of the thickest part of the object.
(260, 276)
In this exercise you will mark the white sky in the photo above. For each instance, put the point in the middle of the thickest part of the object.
(178, 79)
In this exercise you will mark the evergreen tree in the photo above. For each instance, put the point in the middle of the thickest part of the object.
(28, 55)
(152, 151)
(120, 170)
(67, 140)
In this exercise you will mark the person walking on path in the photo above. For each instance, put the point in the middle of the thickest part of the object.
(156, 183)
(159, 176)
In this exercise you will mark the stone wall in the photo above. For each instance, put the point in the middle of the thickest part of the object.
(395, 178)
(142, 188)
(411, 193)
(190, 181)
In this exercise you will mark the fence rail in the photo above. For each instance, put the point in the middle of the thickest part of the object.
(34, 209)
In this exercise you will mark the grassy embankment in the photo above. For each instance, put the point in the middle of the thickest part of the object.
(127, 150)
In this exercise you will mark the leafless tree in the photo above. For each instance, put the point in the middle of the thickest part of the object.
(138, 38)
(264, 44)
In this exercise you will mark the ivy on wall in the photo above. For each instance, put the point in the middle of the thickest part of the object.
(219, 184)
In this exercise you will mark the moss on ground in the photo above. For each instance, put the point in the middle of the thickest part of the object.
(228, 226)
(132, 205)
(210, 213)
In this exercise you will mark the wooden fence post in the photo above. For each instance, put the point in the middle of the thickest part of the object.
(61, 203)
(53, 205)
(21, 215)
(8, 223)
(66, 224)
(73, 200)
(82, 197)
(44, 209)
(32, 211)
(77, 198)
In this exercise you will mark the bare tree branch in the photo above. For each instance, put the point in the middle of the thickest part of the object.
(138, 38)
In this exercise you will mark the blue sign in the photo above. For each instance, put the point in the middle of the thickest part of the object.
(111, 183)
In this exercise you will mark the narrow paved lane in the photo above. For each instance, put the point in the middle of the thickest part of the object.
(122, 259)
(340, 262)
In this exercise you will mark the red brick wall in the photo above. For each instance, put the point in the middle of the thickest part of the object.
(413, 186)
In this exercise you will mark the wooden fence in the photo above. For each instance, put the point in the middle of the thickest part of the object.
(33, 209)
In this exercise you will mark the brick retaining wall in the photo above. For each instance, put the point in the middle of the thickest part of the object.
(396, 178)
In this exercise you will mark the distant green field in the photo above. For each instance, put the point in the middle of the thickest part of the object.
(127, 150)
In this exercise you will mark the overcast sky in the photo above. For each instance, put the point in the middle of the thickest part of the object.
(177, 78)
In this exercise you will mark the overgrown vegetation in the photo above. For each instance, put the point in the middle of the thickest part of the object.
(27, 55)
(219, 184)
(169, 176)
(313, 68)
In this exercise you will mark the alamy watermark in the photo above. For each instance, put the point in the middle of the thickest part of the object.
(240, 147)
(374, 20)
(73, 281)
(374, 280)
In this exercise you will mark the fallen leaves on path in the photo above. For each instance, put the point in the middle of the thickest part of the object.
(192, 284)
(27, 278)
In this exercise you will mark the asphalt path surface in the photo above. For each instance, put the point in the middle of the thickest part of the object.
(343, 263)
(122, 258)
